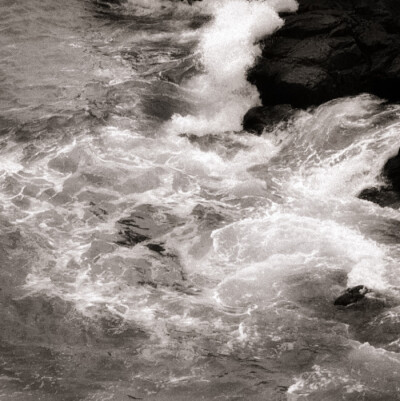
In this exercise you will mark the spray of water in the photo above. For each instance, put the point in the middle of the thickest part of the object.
(228, 47)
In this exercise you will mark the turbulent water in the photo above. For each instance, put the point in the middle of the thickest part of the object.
(151, 249)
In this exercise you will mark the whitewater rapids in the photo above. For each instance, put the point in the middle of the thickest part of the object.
(151, 248)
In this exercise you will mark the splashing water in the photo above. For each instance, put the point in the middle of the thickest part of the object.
(223, 92)
(148, 251)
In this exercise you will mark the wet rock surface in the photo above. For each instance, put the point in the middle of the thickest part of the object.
(389, 194)
(391, 171)
(329, 49)
(383, 196)
(261, 119)
(352, 295)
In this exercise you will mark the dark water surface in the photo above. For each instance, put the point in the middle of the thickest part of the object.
(150, 249)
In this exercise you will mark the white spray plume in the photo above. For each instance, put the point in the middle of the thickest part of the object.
(228, 48)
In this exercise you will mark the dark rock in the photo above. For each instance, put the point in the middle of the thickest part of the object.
(382, 196)
(352, 295)
(329, 49)
(156, 248)
(389, 194)
(191, 1)
(391, 171)
(150, 283)
(262, 118)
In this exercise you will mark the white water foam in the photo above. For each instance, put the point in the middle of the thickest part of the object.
(263, 245)
(261, 252)
(341, 145)
(366, 367)
(228, 47)
(161, 7)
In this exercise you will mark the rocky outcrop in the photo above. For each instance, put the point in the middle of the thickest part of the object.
(389, 194)
(329, 49)
(264, 118)
(391, 171)
(352, 295)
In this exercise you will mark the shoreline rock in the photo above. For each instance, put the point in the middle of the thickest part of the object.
(389, 194)
(330, 49)
(265, 118)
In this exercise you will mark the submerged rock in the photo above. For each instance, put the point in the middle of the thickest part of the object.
(329, 49)
(191, 1)
(158, 248)
(352, 295)
(146, 222)
(180, 70)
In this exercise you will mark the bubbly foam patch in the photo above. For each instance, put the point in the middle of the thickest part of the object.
(337, 149)
(228, 47)
(260, 254)
(162, 7)
(206, 256)
(266, 242)
(367, 367)
(87, 185)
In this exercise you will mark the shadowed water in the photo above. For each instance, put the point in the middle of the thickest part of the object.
(151, 249)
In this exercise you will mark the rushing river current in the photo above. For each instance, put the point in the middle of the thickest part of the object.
(150, 248)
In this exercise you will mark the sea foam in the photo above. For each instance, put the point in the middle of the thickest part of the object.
(228, 47)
